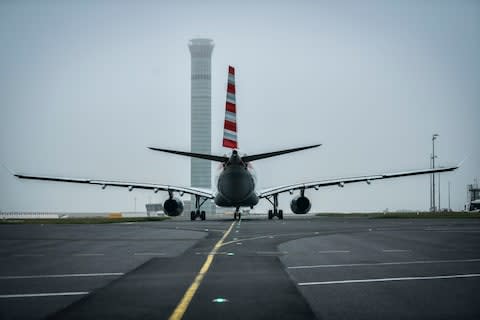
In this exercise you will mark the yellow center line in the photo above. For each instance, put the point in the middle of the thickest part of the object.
(190, 293)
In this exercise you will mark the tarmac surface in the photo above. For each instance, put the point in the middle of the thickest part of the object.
(297, 268)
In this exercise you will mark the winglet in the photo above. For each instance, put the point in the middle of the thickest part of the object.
(230, 123)
(461, 162)
(8, 169)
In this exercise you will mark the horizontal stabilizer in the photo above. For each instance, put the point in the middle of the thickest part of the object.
(276, 153)
(193, 155)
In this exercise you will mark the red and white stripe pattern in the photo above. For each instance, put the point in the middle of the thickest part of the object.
(230, 125)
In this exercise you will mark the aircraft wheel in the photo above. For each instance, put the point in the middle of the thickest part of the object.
(280, 214)
(192, 215)
(270, 216)
(202, 215)
(239, 215)
(235, 215)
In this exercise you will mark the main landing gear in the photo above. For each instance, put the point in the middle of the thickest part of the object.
(275, 212)
(237, 214)
(197, 213)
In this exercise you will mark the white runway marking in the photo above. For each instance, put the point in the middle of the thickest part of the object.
(39, 276)
(473, 275)
(457, 231)
(334, 251)
(32, 295)
(271, 253)
(383, 263)
(395, 250)
(452, 229)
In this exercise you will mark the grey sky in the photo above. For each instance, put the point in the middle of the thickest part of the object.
(86, 86)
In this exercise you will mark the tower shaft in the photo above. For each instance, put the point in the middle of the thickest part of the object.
(201, 110)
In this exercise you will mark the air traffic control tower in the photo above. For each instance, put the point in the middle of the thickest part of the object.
(201, 113)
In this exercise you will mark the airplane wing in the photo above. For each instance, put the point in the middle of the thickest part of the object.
(129, 185)
(342, 181)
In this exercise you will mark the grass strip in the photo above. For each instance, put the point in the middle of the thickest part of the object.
(405, 215)
(86, 220)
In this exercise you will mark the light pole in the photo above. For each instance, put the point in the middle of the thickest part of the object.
(439, 202)
(431, 202)
(449, 208)
(434, 137)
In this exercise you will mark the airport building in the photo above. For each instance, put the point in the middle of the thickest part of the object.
(473, 197)
(201, 114)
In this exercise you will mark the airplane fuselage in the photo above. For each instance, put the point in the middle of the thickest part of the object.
(236, 184)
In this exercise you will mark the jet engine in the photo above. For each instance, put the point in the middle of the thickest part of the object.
(173, 207)
(300, 205)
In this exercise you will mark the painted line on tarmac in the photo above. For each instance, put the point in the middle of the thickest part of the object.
(33, 295)
(383, 263)
(454, 276)
(271, 253)
(244, 239)
(334, 251)
(71, 275)
(396, 250)
(455, 231)
(88, 254)
(149, 254)
(459, 229)
(270, 236)
(190, 293)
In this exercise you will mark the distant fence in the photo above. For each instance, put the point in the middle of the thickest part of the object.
(31, 215)
(50, 215)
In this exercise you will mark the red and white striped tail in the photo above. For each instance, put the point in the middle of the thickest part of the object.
(230, 125)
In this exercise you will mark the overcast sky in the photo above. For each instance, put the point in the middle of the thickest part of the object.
(86, 86)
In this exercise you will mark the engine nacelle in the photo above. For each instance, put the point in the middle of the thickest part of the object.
(300, 205)
(173, 207)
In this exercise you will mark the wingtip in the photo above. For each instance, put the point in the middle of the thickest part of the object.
(461, 162)
(8, 169)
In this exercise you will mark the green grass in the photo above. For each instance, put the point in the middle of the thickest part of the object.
(405, 215)
(86, 220)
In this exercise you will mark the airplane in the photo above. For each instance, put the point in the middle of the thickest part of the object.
(236, 184)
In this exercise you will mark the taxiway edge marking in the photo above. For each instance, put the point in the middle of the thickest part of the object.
(190, 293)
(383, 263)
(454, 276)
(39, 276)
(34, 295)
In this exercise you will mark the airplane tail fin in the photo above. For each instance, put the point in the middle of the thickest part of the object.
(230, 124)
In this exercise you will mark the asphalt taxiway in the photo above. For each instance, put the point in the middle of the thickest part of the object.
(297, 268)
